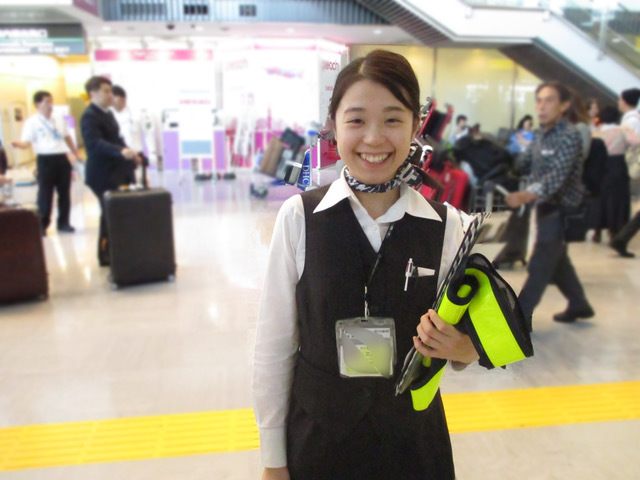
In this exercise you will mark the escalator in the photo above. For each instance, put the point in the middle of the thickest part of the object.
(592, 50)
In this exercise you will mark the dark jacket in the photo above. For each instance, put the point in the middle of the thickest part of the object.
(106, 168)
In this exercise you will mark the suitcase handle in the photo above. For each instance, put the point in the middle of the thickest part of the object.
(144, 164)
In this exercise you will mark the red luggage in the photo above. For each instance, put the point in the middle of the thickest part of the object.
(455, 185)
(23, 273)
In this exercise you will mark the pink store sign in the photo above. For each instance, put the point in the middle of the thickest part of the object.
(91, 6)
(152, 55)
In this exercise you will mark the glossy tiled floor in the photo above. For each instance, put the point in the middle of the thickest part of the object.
(91, 353)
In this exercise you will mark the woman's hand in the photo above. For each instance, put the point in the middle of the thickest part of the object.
(275, 474)
(438, 339)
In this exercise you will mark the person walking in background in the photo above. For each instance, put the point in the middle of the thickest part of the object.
(109, 160)
(628, 105)
(615, 192)
(49, 137)
(554, 161)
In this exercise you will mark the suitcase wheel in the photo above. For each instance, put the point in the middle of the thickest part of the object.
(260, 191)
(114, 285)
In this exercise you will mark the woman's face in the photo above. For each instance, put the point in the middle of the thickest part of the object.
(374, 131)
(594, 111)
(528, 125)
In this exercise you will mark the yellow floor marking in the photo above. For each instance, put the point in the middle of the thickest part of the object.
(77, 443)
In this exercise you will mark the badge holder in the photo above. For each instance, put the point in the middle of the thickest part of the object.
(366, 346)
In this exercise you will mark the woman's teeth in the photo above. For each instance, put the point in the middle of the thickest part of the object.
(374, 157)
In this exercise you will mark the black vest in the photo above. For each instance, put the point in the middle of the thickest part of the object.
(327, 410)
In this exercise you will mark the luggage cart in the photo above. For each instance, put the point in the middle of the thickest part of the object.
(285, 163)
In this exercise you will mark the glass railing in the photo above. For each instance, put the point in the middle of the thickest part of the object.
(615, 26)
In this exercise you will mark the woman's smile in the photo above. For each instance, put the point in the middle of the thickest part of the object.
(375, 158)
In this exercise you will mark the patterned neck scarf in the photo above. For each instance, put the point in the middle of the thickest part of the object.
(408, 173)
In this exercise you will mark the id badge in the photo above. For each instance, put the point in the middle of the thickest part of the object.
(366, 346)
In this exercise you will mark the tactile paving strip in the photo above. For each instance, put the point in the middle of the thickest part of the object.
(76, 443)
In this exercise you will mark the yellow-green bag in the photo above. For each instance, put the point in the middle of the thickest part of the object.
(481, 304)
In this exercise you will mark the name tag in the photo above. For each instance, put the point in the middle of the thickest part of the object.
(366, 347)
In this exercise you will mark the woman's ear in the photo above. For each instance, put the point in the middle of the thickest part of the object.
(416, 128)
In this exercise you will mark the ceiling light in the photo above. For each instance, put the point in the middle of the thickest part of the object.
(290, 30)
(377, 31)
(106, 28)
(199, 29)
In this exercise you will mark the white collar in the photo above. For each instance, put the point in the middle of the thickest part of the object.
(631, 113)
(50, 119)
(410, 202)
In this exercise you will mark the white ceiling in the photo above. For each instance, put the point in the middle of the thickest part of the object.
(96, 28)
(343, 34)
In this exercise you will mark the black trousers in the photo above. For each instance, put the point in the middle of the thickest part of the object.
(54, 173)
(550, 263)
(103, 234)
(627, 232)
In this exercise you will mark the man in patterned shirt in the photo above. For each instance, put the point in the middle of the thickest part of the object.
(553, 160)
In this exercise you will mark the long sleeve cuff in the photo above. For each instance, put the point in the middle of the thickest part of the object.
(273, 450)
(537, 189)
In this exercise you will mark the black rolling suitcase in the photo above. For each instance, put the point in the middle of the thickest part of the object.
(140, 226)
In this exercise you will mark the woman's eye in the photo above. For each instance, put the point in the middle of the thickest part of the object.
(355, 120)
(393, 120)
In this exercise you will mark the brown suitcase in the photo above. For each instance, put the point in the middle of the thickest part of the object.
(272, 156)
(23, 273)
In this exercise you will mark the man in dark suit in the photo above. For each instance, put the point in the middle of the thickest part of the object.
(109, 160)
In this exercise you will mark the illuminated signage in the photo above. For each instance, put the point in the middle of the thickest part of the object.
(54, 39)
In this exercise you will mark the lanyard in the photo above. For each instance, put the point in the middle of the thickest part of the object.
(373, 271)
(52, 130)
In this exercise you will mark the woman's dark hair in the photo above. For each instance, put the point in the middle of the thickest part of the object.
(577, 112)
(94, 84)
(389, 69)
(40, 95)
(609, 114)
(523, 120)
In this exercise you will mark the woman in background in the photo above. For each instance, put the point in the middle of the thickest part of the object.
(593, 108)
(615, 192)
(524, 135)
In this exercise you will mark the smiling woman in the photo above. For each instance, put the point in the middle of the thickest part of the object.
(324, 373)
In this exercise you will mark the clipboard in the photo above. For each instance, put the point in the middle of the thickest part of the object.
(413, 361)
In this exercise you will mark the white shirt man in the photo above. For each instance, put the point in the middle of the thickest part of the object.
(130, 128)
(50, 139)
(46, 135)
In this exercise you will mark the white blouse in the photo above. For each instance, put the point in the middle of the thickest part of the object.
(277, 330)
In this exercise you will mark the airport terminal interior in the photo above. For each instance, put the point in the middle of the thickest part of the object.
(153, 381)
